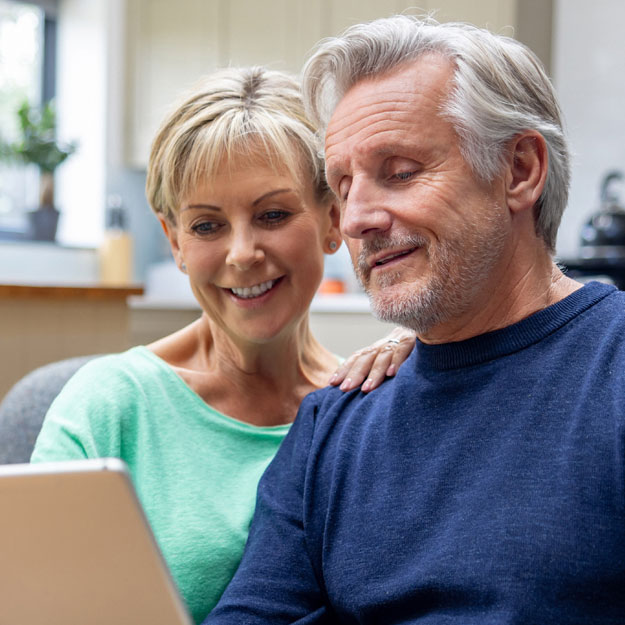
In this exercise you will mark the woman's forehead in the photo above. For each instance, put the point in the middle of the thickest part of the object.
(237, 164)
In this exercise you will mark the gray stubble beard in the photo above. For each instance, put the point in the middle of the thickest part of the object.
(457, 267)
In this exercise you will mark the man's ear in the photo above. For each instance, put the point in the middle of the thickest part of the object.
(527, 170)
(171, 232)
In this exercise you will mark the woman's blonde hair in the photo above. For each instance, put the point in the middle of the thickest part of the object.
(250, 114)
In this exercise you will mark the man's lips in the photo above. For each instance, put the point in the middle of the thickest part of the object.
(382, 259)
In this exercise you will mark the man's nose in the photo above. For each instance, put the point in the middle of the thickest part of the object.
(244, 251)
(364, 212)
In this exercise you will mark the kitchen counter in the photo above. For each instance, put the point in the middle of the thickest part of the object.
(343, 323)
(166, 287)
(346, 303)
(64, 292)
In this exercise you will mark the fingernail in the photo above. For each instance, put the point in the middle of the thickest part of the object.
(334, 376)
(347, 383)
(390, 371)
(367, 386)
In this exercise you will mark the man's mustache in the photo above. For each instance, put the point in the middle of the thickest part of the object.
(371, 247)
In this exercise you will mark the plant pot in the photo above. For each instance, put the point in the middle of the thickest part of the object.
(42, 223)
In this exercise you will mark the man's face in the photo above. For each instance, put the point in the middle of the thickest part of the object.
(425, 235)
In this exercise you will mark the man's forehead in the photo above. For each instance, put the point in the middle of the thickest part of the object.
(386, 103)
(430, 71)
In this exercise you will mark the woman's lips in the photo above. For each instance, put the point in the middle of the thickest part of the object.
(255, 292)
(248, 292)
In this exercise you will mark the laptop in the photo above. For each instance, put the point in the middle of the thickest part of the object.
(76, 548)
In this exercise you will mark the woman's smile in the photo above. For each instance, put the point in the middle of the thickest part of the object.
(252, 241)
(256, 292)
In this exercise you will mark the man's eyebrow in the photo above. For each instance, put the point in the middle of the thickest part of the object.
(333, 172)
(383, 151)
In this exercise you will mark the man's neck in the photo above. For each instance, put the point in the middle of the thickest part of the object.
(514, 293)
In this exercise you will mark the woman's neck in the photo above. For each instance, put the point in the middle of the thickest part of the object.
(261, 383)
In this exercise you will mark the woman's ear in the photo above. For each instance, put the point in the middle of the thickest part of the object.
(171, 232)
(527, 170)
(333, 238)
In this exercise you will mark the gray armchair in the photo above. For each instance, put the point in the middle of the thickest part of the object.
(23, 408)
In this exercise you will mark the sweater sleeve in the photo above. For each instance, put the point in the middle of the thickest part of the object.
(83, 420)
(276, 582)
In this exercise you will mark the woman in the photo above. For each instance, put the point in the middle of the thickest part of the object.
(236, 182)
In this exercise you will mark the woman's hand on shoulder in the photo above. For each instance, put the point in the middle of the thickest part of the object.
(369, 366)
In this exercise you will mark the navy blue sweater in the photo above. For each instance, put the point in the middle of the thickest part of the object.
(484, 484)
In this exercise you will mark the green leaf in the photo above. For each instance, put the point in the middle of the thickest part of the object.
(38, 144)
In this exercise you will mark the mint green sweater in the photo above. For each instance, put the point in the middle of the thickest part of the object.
(195, 470)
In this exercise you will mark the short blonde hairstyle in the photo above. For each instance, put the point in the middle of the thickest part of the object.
(253, 114)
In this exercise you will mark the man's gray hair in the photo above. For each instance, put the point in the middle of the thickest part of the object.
(500, 89)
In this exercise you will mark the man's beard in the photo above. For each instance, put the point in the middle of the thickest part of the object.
(457, 268)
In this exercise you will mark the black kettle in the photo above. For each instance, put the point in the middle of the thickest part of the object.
(603, 235)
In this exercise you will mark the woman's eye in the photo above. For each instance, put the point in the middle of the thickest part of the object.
(205, 227)
(274, 216)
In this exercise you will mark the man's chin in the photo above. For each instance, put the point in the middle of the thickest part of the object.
(417, 308)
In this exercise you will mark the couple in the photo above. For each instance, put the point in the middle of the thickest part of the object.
(485, 482)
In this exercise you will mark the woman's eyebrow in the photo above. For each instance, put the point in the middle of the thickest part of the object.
(204, 206)
(254, 203)
(271, 193)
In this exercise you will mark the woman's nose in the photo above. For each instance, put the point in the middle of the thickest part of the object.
(244, 251)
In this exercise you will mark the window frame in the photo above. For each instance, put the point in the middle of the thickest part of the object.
(47, 89)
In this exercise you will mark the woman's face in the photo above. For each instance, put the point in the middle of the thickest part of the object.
(252, 241)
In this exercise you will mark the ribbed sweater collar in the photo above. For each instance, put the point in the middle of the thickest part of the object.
(520, 335)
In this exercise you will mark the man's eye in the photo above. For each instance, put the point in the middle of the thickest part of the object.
(343, 189)
(403, 175)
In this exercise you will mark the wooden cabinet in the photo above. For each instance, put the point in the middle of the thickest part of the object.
(170, 44)
(42, 324)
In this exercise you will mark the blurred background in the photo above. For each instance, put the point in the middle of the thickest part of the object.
(112, 68)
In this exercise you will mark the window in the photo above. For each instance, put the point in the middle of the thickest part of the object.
(27, 42)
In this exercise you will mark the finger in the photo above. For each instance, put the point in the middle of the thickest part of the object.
(359, 369)
(339, 375)
(379, 367)
(343, 370)
(400, 353)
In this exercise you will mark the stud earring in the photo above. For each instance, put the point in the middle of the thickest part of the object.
(332, 245)
(183, 267)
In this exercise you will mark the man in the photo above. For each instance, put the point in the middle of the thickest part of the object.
(486, 482)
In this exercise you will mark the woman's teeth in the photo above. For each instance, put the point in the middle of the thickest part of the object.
(254, 291)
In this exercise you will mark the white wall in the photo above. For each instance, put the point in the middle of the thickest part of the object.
(589, 74)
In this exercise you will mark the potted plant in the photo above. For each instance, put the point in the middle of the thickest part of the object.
(38, 145)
